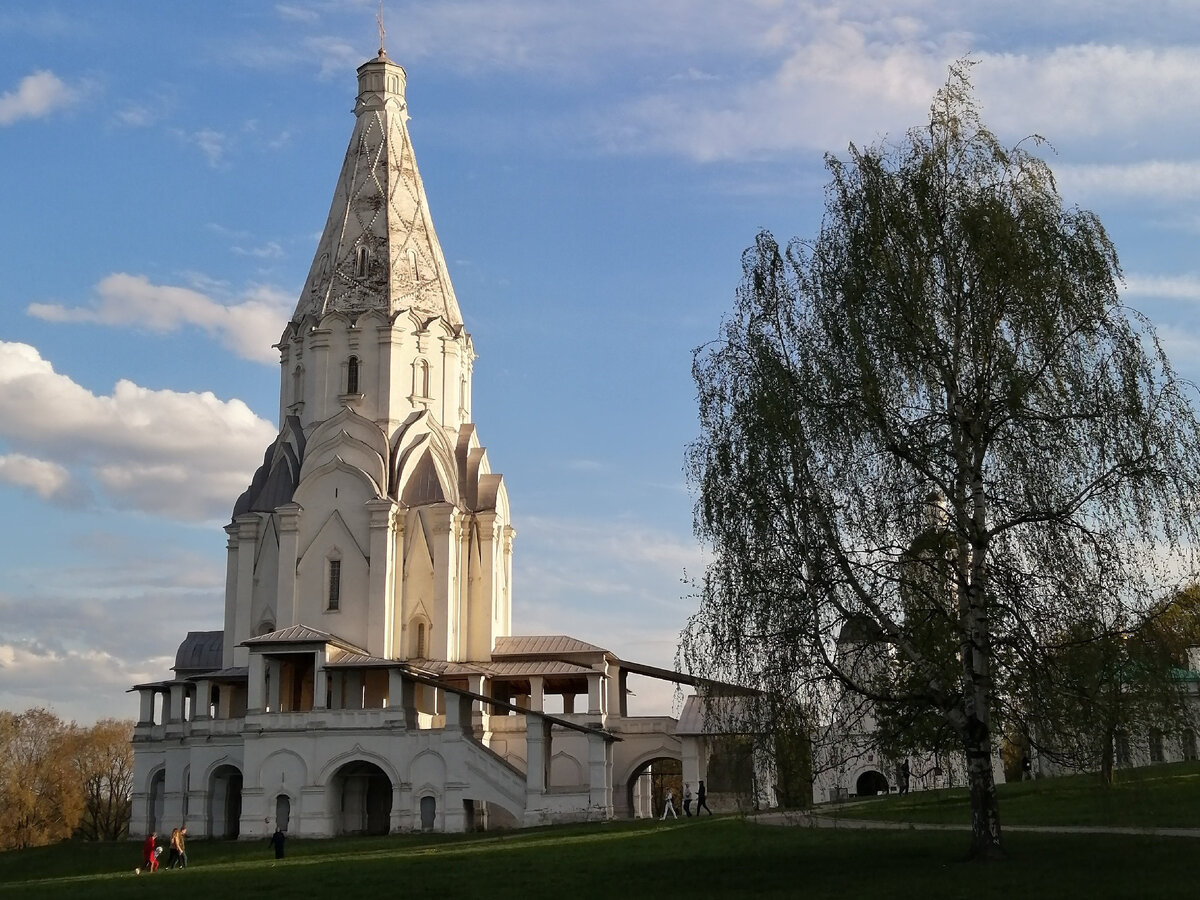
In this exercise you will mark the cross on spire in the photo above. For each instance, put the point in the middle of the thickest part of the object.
(382, 30)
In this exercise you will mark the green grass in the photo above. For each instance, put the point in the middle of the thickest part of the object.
(717, 857)
(1162, 796)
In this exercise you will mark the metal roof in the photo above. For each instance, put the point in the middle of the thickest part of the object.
(200, 650)
(302, 634)
(542, 645)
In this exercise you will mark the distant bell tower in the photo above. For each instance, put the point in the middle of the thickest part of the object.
(374, 516)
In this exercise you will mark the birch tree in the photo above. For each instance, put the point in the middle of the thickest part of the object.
(954, 330)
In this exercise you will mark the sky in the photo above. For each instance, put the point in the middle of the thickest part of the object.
(594, 172)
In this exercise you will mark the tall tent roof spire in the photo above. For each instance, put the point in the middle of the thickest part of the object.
(379, 249)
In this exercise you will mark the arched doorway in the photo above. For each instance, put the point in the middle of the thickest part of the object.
(283, 812)
(154, 814)
(225, 802)
(646, 790)
(428, 813)
(871, 783)
(362, 799)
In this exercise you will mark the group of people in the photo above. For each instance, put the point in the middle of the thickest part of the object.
(701, 801)
(176, 857)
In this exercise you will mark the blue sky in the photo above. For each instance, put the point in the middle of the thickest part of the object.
(594, 172)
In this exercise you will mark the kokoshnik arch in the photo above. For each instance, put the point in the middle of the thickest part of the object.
(366, 678)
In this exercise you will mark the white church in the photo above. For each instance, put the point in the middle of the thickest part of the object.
(366, 679)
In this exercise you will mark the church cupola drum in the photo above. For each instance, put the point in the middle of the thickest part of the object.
(375, 516)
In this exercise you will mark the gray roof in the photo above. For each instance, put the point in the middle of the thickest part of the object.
(200, 651)
(502, 669)
(552, 645)
(302, 634)
(358, 660)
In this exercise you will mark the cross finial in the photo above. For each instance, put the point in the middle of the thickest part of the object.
(382, 30)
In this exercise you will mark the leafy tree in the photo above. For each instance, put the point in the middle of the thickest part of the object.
(102, 759)
(41, 799)
(1106, 679)
(952, 329)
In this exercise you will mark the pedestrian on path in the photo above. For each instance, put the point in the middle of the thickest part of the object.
(669, 805)
(701, 799)
(687, 799)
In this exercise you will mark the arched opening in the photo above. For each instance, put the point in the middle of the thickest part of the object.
(646, 791)
(871, 783)
(225, 802)
(352, 375)
(362, 799)
(428, 813)
(421, 378)
(283, 812)
(154, 815)
(362, 260)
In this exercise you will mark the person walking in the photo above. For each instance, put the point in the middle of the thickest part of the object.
(149, 857)
(687, 799)
(701, 799)
(276, 840)
(173, 849)
(669, 805)
(183, 846)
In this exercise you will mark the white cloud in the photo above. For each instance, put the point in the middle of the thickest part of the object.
(335, 56)
(36, 95)
(1157, 180)
(269, 250)
(210, 142)
(1091, 90)
(182, 455)
(47, 479)
(135, 116)
(248, 327)
(1166, 287)
(297, 13)
(79, 685)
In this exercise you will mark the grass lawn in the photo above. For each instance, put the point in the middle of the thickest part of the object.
(1163, 796)
(718, 857)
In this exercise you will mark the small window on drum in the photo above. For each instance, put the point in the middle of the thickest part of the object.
(352, 375)
(335, 585)
(362, 258)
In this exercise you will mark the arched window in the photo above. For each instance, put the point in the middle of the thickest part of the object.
(418, 640)
(335, 585)
(352, 375)
(421, 378)
(297, 384)
(362, 258)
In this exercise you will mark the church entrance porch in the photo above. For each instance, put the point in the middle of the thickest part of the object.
(225, 803)
(361, 794)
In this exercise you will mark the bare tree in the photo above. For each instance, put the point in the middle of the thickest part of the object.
(954, 331)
